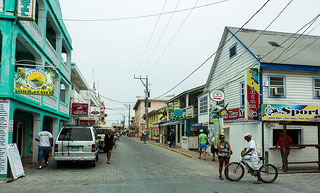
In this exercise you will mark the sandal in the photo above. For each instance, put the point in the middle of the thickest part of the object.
(221, 178)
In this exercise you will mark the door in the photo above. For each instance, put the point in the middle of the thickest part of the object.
(19, 132)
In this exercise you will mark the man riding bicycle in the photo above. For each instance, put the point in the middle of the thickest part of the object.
(251, 150)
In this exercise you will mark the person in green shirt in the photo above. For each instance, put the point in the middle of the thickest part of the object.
(202, 143)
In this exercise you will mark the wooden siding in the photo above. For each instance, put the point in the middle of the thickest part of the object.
(299, 88)
(228, 73)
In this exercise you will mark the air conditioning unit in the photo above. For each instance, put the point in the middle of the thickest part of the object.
(277, 91)
(317, 93)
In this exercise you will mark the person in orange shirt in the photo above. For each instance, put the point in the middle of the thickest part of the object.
(280, 142)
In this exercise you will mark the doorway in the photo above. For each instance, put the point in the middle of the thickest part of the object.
(19, 136)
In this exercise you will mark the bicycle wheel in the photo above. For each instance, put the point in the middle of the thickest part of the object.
(268, 173)
(234, 171)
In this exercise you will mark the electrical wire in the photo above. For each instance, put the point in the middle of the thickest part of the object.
(214, 52)
(142, 16)
(172, 39)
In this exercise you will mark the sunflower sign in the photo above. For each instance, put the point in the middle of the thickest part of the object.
(34, 81)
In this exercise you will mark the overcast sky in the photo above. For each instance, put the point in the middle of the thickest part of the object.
(115, 49)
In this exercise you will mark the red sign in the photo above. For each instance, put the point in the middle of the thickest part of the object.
(79, 109)
(234, 115)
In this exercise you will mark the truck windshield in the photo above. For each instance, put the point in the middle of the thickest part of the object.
(75, 134)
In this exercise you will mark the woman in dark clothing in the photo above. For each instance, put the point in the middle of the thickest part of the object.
(109, 142)
(223, 154)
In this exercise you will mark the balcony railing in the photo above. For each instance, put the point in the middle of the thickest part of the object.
(50, 101)
(77, 98)
(1, 5)
(65, 70)
(33, 29)
(64, 108)
(52, 53)
(36, 98)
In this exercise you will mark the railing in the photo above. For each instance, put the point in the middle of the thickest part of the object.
(52, 53)
(65, 70)
(36, 98)
(64, 108)
(50, 101)
(77, 98)
(1, 5)
(33, 29)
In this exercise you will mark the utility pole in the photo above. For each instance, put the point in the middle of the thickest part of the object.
(147, 93)
(129, 119)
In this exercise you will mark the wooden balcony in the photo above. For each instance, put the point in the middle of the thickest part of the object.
(52, 53)
(64, 107)
(65, 70)
(50, 101)
(33, 29)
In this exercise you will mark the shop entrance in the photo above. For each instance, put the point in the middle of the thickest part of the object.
(20, 136)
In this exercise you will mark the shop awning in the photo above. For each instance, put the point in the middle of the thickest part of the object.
(171, 123)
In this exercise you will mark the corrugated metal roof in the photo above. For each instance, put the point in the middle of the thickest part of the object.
(294, 49)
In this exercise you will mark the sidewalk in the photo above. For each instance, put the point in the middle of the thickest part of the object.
(188, 153)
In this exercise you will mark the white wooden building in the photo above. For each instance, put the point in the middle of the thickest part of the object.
(260, 71)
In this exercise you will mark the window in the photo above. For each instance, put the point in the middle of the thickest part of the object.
(203, 101)
(242, 94)
(316, 88)
(277, 86)
(233, 50)
(149, 104)
(75, 134)
(295, 135)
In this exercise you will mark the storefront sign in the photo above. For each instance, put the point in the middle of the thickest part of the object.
(26, 9)
(234, 115)
(95, 111)
(216, 96)
(189, 112)
(80, 109)
(277, 112)
(15, 161)
(4, 127)
(34, 81)
(252, 94)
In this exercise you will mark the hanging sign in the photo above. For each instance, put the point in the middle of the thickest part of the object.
(234, 115)
(216, 96)
(34, 81)
(4, 127)
(252, 93)
(277, 112)
(80, 109)
(15, 161)
(95, 111)
(26, 9)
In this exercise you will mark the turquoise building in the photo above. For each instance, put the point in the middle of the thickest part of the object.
(43, 43)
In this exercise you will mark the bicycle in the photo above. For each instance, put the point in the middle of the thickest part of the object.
(234, 171)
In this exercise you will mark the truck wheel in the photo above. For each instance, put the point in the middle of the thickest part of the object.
(59, 164)
(93, 163)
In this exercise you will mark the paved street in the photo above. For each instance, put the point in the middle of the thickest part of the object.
(140, 168)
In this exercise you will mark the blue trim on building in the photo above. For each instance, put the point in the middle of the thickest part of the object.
(187, 128)
(285, 86)
(290, 67)
(241, 105)
(313, 87)
(244, 45)
(261, 102)
(233, 45)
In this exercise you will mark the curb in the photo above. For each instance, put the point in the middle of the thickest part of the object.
(174, 150)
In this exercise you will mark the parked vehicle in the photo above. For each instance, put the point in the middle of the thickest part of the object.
(76, 143)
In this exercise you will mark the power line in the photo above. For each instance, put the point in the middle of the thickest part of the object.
(142, 16)
(110, 99)
(214, 52)
(173, 37)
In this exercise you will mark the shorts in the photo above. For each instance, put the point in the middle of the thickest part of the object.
(213, 149)
(254, 162)
(223, 157)
(108, 148)
(203, 146)
(43, 153)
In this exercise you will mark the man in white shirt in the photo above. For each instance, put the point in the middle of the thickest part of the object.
(45, 140)
(251, 150)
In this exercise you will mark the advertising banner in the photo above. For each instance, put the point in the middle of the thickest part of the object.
(4, 127)
(217, 125)
(26, 9)
(80, 109)
(234, 115)
(252, 94)
(34, 81)
(277, 112)
(15, 161)
(95, 111)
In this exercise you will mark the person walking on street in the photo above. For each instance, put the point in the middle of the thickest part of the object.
(109, 142)
(45, 140)
(224, 153)
(171, 137)
(280, 142)
(251, 150)
(213, 149)
(202, 144)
